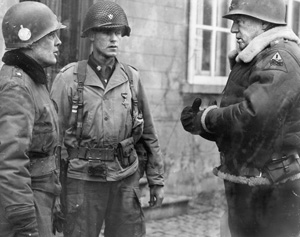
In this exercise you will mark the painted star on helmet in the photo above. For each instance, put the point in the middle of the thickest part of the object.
(110, 16)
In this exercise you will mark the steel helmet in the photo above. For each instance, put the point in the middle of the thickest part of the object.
(26, 22)
(273, 11)
(105, 14)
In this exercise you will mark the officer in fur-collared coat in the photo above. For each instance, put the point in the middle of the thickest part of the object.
(257, 125)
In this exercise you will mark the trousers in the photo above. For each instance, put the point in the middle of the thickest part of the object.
(116, 205)
(264, 211)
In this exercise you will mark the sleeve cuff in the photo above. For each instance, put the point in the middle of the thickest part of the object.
(209, 108)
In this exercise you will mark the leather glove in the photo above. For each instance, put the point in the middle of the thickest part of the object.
(58, 217)
(191, 117)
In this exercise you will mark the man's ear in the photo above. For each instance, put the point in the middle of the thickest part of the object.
(91, 35)
(266, 25)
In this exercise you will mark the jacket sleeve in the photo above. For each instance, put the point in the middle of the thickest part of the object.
(16, 124)
(155, 167)
(62, 96)
(266, 103)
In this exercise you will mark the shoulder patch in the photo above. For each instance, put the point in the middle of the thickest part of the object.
(276, 63)
(277, 59)
(67, 66)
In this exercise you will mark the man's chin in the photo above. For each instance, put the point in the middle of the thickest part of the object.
(241, 46)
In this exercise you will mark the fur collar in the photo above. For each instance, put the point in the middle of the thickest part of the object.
(251, 181)
(27, 64)
(260, 42)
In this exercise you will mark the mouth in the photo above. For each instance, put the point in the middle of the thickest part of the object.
(239, 40)
(56, 53)
(114, 47)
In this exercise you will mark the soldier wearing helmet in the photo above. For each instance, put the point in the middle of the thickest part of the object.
(29, 182)
(256, 125)
(104, 119)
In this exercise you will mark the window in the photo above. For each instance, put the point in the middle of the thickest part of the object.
(210, 41)
(293, 16)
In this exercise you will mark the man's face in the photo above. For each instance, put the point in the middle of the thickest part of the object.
(246, 29)
(45, 50)
(106, 42)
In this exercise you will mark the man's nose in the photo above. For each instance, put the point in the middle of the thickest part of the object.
(234, 28)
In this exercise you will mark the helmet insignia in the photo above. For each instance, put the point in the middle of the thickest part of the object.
(110, 16)
(232, 6)
(24, 33)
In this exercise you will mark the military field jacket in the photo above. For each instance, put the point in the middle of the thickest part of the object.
(107, 119)
(28, 125)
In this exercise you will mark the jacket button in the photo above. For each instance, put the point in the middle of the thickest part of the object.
(106, 118)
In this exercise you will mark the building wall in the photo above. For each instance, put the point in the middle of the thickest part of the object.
(158, 48)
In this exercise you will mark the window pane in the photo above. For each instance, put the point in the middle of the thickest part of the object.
(206, 50)
(223, 6)
(202, 52)
(222, 48)
(296, 17)
(207, 12)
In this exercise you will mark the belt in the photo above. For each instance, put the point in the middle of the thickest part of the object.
(278, 170)
(42, 166)
(103, 154)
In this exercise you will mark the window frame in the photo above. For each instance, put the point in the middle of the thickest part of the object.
(211, 79)
(290, 15)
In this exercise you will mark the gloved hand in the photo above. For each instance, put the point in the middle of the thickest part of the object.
(191, 117)
(58, 217)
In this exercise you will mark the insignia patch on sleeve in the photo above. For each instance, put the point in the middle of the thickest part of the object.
(276, 63)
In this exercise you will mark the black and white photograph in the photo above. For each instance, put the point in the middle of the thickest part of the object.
(150, 118)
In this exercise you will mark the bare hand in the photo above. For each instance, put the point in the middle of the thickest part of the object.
(156, 196)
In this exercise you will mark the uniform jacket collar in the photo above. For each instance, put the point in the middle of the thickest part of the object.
(262, 41)
(118, 77)
(27, 64)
